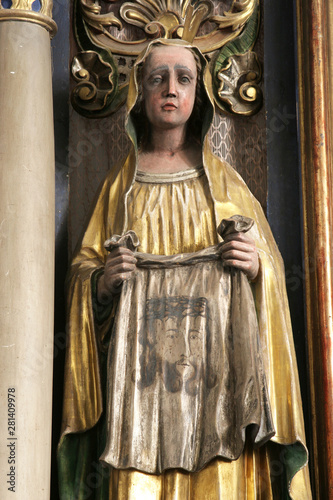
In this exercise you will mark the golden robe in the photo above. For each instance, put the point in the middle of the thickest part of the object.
(170, 218)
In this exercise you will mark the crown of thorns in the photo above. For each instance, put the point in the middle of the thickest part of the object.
(176, 307)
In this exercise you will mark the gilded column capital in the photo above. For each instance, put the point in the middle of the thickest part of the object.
(22, 10)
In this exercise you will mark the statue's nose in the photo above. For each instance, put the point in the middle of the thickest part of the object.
(172, 86)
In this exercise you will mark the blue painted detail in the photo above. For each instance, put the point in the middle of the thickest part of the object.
(36, 6)
(6, 4)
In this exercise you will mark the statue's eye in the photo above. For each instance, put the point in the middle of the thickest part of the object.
(184, 79)
(156, 80)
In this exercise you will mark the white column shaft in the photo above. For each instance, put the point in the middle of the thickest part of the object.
(26, 260)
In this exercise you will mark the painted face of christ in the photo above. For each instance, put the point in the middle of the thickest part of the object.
(181, 342)
(176, 344)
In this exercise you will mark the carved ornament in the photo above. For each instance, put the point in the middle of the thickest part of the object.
(117, 31)
(239, 88)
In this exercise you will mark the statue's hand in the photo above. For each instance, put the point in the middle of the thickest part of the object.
(119, 266)
(239, 250)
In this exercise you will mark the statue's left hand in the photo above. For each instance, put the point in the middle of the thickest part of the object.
(239, 250)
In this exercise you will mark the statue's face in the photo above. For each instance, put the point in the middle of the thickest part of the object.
(169, 86)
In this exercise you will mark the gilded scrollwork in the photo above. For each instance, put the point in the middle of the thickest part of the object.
(239, 86)
(166, 19)
(91, 12)
(97, 82)
(100, 27)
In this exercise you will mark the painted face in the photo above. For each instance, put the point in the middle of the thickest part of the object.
(169, 85)
(181, 342)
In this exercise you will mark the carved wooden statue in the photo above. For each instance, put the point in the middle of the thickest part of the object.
(181, 380)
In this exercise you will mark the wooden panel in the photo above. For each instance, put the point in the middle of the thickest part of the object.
(314, 43)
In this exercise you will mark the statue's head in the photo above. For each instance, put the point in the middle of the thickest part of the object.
(170, 90)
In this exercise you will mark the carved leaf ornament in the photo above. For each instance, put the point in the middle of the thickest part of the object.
(111, 34)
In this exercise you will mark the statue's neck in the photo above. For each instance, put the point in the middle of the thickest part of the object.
(168, 142)
(169, 152)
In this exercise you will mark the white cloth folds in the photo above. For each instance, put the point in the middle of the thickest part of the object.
(185, 370)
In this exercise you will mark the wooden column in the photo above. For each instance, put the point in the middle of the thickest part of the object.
(315, 44)
(27, 252)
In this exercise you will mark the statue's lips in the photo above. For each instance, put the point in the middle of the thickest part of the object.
(169, 106)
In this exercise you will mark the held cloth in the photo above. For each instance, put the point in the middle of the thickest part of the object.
(185, 374)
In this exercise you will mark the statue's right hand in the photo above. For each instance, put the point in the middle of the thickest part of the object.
(119, 266)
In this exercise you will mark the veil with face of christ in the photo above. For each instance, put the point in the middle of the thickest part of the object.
(184, 353)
